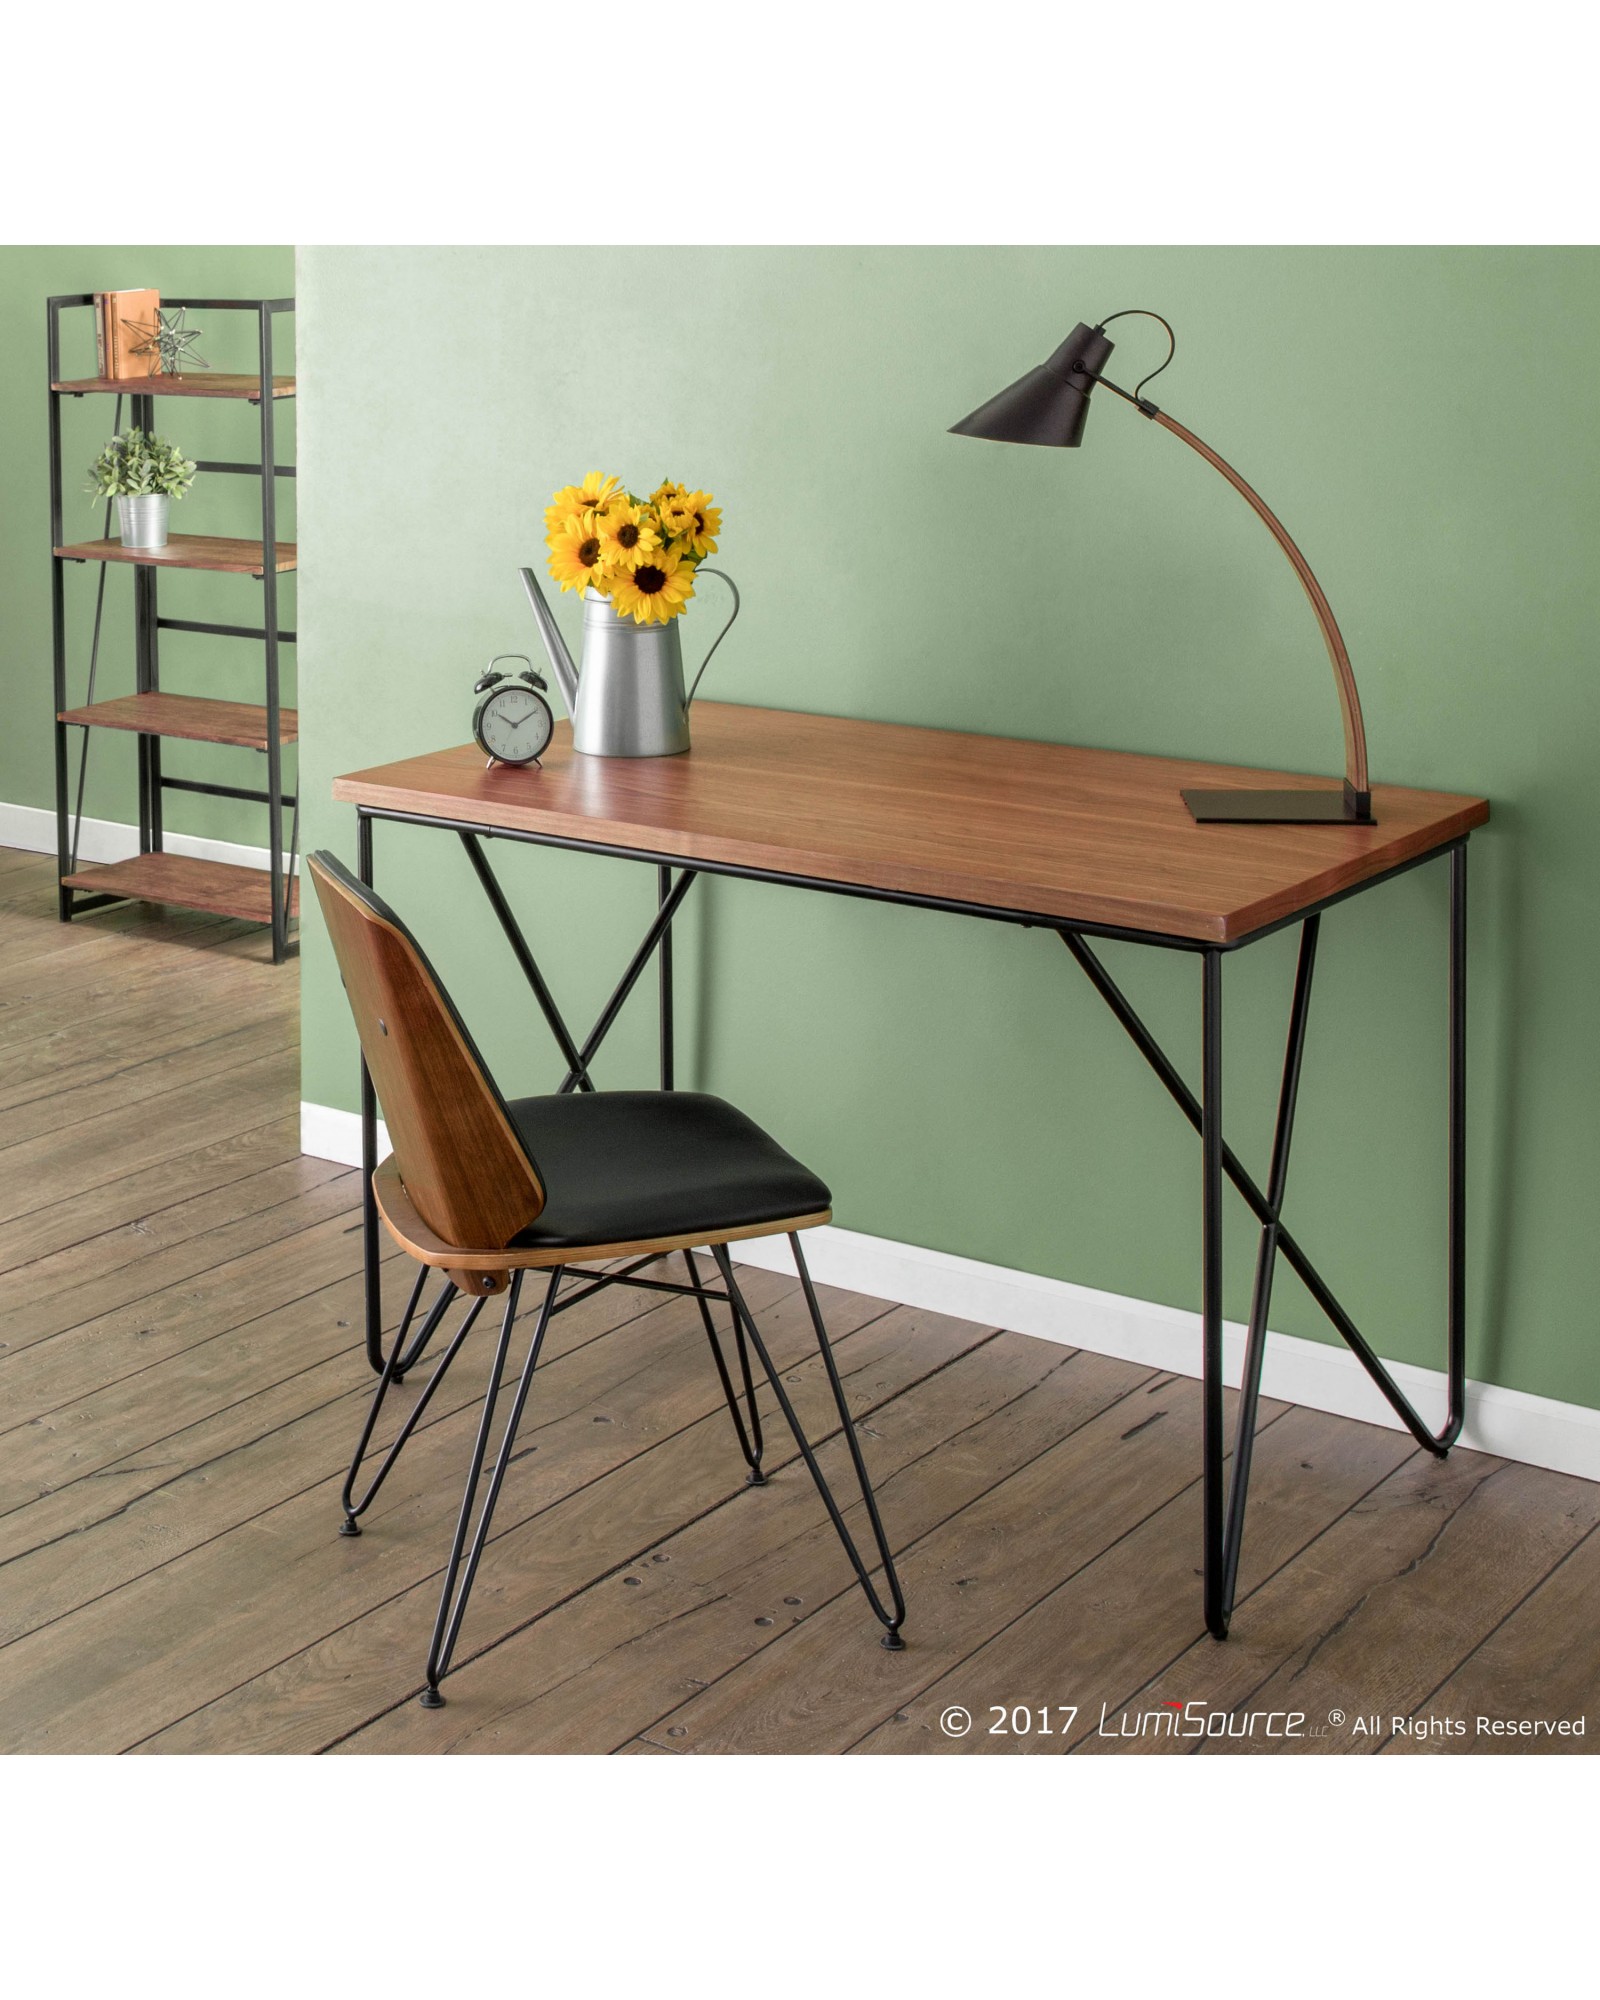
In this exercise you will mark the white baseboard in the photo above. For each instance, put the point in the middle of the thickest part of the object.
(1537, 1430)
(33, 829)
(327, 1134)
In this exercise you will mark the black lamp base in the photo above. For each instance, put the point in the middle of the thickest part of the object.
(1345, 807)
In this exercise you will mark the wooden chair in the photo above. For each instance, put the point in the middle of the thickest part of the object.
(484, 1191)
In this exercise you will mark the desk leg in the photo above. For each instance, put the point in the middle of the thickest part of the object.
(1457, 1224)
(1211, 1289)
(1244, 1433)
(369, 1153)
(664, 966)
(1277, 1238)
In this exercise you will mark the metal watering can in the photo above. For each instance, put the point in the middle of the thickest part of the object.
(628, 700)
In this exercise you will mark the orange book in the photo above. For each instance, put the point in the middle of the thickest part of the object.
(130, 320)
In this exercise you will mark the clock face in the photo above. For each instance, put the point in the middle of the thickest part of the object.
(515, 725)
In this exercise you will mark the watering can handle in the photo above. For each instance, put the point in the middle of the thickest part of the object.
(717, 641)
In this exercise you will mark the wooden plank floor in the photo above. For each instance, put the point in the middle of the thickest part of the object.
(181, 1379)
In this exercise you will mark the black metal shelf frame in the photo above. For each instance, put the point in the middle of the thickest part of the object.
(148, 624)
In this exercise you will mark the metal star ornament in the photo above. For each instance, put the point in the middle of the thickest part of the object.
(169, 341)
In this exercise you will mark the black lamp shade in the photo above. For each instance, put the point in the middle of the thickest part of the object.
(1050, 404)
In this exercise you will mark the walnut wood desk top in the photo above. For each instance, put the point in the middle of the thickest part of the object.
(1097, 836)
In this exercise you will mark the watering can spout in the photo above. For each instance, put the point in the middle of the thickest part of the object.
(560, 659)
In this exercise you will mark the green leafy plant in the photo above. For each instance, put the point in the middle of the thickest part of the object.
(139, 462)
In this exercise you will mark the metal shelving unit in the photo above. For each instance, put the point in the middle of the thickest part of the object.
(267, 896)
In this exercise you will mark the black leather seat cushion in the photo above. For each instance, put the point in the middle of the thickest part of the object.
(622, 1165)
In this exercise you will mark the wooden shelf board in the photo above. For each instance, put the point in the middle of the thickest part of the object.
(196, 718)
(220, 552)
(216, 886)
(237, 388)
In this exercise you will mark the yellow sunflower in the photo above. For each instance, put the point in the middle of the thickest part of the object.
(627, 536)
(575, 552)
(675, 511)
(598, 493)
(704, 526)
(655, 590)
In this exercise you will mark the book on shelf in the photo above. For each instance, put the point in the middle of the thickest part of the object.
(124, 323)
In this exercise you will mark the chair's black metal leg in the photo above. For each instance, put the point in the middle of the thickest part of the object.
(395, 1360)
(394, 1365)
(895, 1619)
(750, 1441)
(391, 1364)
(353, 1507)
(757, 1443)
(1266, 1263)
(453, 1602)
(1211, 1287)
(410, 1357)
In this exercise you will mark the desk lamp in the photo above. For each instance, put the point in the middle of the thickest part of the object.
(1050, 405)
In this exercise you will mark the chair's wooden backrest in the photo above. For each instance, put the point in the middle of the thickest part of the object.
(463, 1162)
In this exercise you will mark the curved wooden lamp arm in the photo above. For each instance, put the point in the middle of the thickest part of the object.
(1357, 787)
(1355, 735)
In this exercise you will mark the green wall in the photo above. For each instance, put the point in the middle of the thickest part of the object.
(218, 504)
(1425, 420)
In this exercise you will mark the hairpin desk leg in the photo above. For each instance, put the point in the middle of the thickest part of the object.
(1211, 1289)
(373, 1286)
(664, 969)
(1456, 1143)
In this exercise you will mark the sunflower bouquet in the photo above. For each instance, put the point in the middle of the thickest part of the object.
(641, 554)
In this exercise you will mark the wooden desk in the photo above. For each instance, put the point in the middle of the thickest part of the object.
(1084, 843)
(1095, 837)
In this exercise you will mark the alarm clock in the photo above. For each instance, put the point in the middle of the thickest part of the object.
(512, 722)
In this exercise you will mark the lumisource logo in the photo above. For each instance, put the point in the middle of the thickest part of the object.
(1198, 1719)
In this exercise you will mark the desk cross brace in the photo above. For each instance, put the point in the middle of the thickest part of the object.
(1223, 1500)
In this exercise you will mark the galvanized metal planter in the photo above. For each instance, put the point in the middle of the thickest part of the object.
(142, 519)
(628, 699)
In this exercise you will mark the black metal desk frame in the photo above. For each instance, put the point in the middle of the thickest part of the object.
(1223, 1499)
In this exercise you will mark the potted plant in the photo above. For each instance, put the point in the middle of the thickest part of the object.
(142, 473)
(634, 561)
